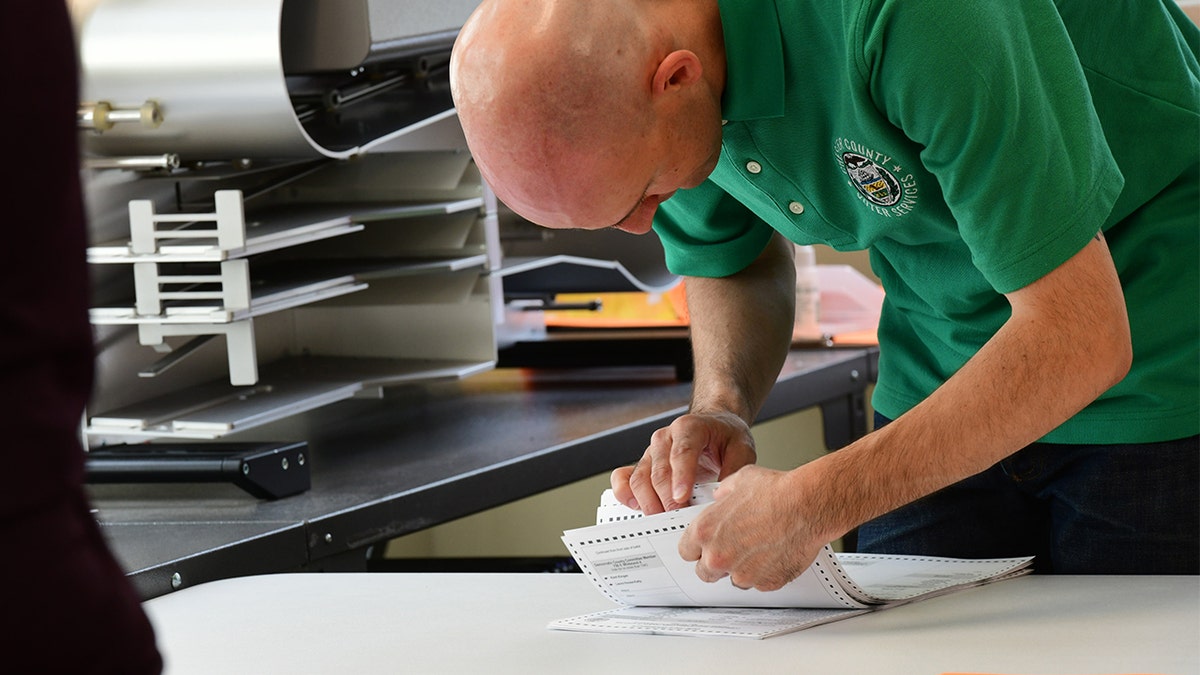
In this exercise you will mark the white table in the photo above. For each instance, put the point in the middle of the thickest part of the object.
(496, 623)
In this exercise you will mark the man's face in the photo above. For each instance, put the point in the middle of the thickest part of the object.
(676, 166)
(618, 183)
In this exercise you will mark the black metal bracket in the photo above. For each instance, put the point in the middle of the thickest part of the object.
(265, 470)
(591, 348)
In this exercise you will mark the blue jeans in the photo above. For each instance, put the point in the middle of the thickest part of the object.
(1080, 509)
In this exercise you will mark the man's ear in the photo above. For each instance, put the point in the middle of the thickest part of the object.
(680, 68)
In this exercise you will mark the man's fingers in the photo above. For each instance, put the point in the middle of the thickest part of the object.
(651, 478)
(689, 548)
(619, 479)
(678, 456)
(687, 445)
(662, 479)
(641, 484)
(742, 585)
(708, 569)
(708, 575)
(691, 551)
(632, 487)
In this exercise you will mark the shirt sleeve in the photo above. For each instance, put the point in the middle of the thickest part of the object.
(705, 232)
(995, 94)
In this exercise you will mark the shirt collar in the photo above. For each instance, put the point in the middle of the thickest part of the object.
(753, 60)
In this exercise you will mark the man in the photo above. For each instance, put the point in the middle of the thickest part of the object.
(68, 607)
(1026, 181)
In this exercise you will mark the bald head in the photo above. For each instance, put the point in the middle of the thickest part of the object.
(553, 95)
(538, 81)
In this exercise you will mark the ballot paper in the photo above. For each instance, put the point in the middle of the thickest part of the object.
(633, 560)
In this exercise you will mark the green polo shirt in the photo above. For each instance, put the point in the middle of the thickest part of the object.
(972, 148)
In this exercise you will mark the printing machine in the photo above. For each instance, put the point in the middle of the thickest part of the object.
(283, 214)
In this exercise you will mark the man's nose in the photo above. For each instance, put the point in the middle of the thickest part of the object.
(640, 227)
(642, 221)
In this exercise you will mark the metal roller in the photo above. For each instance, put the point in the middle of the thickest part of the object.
(206, 81)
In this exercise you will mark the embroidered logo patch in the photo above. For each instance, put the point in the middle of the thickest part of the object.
(871, 180)
(880, 183)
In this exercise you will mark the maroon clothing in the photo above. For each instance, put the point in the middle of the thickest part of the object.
(67, 605)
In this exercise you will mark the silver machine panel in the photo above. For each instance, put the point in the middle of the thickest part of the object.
(283, 214)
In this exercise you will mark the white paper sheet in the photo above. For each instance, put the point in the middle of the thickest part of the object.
(633, 560)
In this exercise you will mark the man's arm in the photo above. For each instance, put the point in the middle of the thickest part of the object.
(741, 329)
(1065, 344)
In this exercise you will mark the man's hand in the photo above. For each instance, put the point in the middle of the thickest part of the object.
(741, 328)
(757, 532)
(696, 448)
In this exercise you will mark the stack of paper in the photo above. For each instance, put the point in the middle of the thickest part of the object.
(634, 560)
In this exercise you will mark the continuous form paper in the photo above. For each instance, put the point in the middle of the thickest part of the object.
(634, 561)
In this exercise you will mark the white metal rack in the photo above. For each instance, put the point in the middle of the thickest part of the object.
(218, 302)
(362, 275)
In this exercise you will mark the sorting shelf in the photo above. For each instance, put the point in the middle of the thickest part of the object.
(286, 387)
(265, 299)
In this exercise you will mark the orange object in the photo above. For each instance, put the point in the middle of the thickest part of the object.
(622, 310)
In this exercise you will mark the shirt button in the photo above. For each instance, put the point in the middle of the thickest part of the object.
(753, 167)
(796, 208)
